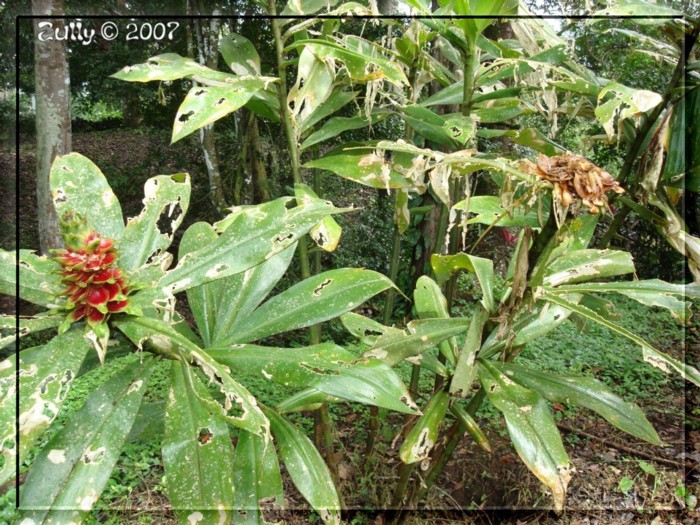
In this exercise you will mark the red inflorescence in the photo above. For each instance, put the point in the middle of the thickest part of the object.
(95, 287)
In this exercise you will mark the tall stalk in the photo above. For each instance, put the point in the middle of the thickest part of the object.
(322, 432)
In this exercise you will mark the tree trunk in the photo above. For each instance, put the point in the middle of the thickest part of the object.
(206, 39)
(258, 173)
(53, 128)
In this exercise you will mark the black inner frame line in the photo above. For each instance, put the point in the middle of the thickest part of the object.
(347, 17)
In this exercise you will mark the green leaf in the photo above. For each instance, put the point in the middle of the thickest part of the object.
(77, 185)
(293, 367)
(306, 468)
(392, 348)
(430, 303)
(46, 376)
(362, 59)
(314, 300)
(488, 210)
(72, 470)
(335, 101)
(309, 399)
(252, 235)
(314, 84)
(240, 406)
(168, 66)
(586, 265)
(649, 354)
(8, 410)
(424, 434)
(337, 125)
(326, 234)
(27, 326)
(365, 329)
(370, 382)
(257, 478)
(206, 104)
(307, 7)
(197, 452)
(465, 371)
(445, 265)
(637, 8)
(359, 163)
(240, 54)
(651, 292)
(166, 199)
(532, 430)
(36, 284)
(586, 392)
(470, 425)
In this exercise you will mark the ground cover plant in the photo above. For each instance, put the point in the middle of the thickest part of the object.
(188, 346)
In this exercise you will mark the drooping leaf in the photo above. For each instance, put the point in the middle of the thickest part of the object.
(465, 371)
(314, 84)
(77, 185)
(252, 235)
(165, 202)
(306, 468)
(240, 406)
(587, 392)
(240, 54)
(649, 354)
(72, 470)
(445, 265)
(392, 348)
(424, 435)
(197, 452)
(46, 376)
(326, 234)
(365, 329)
(532, 430)
(650, 292)
(314, 300)
(206, 104)
(257, 478)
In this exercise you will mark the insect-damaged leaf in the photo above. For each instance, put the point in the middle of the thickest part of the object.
(488, 210)
(422, 437)
(252, 235)
(431, 304)
(336, 125)
(197, 452)
(587, 392)
(649, 354)
(294, 367)
(165, 202)
(392, 348)
(360, 163)
(307, 7)
(168, 66)
(465, 371)
(219, 305)
(313, 86)
(306, 468)
(77, 185)
(586, 265)
(532, 430)
(8, 399)
(445, 265)
(239, 408)
(35, 282)
(46, 375)
(326, 234)
(206, 104)
(257, 478)
(240, 54)
(73, 468)
(27, 326)
(314, 300)
(650, 292)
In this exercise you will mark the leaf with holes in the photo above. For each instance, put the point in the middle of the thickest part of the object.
(257, 478)
(488, 210)
(532, 430)
(326, 234)
(35, 282)
(206, 104)
(312, 301)
(27, 326)
(197, 452)
(77, 185)
(251, 236)
(586, 392)
(72, 470)
(306, 468)
(585, 265)
(165, 202)
(392, 348)
(240, 54)
(8, 400)
(424, 434)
